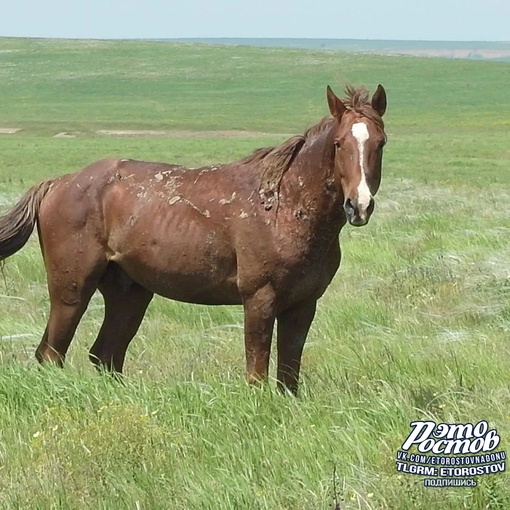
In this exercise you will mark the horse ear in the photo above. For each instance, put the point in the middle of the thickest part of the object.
(379, 100)
(336, 107)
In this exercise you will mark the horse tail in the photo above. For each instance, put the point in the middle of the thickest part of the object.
(18, 224)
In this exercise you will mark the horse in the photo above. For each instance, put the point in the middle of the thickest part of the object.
(261, 232)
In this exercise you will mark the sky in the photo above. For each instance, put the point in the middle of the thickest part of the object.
(439, 20)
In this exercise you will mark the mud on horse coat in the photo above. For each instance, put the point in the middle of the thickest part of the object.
(262, 232)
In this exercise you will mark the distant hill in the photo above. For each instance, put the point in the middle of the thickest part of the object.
(447, 49)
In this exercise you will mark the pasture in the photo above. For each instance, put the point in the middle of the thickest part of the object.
(415, 325)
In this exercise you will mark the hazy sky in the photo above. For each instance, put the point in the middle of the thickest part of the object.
(462, 20)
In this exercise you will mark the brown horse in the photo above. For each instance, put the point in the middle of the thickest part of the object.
(262, 232)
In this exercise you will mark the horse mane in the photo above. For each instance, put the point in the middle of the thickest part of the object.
(357, 100)
(271, 163)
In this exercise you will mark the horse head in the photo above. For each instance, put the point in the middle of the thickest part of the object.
(359, 139)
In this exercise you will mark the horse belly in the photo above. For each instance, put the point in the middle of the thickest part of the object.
(194, 264)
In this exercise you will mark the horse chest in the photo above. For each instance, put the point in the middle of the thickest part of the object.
(309, 272)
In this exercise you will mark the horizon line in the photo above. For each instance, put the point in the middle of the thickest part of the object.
(244, 38)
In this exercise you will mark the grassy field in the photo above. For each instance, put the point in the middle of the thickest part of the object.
(416, 324)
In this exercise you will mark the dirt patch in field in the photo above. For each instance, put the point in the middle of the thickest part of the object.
(9, 131)
(64, 135)
(188, 134)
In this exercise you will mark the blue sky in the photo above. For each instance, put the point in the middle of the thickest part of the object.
(449, 20)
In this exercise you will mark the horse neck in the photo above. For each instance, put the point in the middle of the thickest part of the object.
(312, 186)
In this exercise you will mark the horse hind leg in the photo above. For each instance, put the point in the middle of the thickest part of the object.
(70, 292)
(125, 305)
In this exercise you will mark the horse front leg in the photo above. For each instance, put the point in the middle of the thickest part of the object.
(259, 321)
(293, 327)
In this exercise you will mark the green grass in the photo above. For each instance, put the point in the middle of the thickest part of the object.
(414, 326)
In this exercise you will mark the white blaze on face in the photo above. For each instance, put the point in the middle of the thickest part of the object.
(360, 132)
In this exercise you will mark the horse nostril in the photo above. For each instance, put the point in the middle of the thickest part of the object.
(350, 205)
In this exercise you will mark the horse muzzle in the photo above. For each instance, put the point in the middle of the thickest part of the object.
(357, 215)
